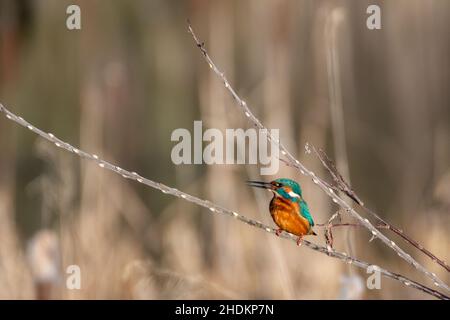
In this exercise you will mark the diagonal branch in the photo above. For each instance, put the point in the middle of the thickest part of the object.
(303, 170)
(343, 186)
(213, 208)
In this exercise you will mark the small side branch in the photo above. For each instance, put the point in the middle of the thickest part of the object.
(340, 182)
(343, 186)
(329, 227)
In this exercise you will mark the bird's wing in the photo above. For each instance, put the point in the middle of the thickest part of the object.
(304, 211)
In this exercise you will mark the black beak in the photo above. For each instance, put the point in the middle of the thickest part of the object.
(260, 184)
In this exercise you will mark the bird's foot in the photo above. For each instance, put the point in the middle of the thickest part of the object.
(299, 241)
(278, 232)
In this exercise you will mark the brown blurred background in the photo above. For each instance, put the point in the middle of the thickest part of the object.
(376, 100)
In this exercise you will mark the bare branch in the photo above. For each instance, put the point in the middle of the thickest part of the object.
(303, 170)
(342, 185)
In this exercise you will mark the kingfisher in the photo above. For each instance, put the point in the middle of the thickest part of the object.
(288, 209)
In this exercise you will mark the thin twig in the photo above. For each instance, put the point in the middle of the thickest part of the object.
(303, 170)
(213, 208)
(343, 186)
(329, 226)
(408, 239)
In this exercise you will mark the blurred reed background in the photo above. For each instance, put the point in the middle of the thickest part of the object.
(376, 101)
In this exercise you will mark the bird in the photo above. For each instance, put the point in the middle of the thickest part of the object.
(288, 209)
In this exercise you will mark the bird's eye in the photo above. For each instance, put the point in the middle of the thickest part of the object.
(276, 184)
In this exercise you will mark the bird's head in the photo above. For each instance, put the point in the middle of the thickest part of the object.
(283, 187)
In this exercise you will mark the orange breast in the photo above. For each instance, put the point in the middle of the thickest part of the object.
(284, 214)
